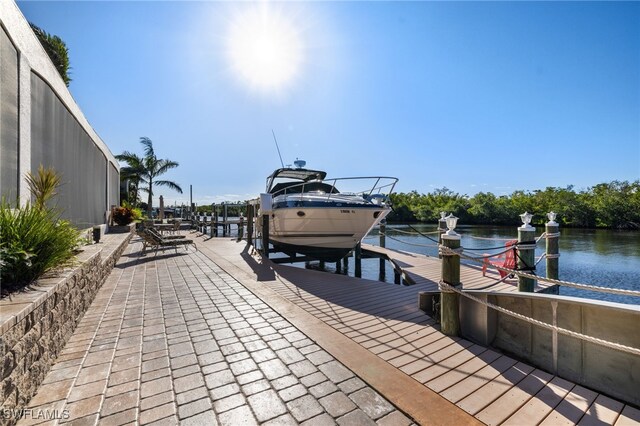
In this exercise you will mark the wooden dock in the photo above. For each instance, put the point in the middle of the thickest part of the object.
(421, 269)
(385, 320)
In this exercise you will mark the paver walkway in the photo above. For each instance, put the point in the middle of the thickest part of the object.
(385, 319)
(176, 340)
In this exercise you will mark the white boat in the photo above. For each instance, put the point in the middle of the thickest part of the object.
(310, 215)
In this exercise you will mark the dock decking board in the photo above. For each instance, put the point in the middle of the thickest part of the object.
(385, 319)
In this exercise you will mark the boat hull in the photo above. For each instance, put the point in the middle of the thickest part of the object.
(323, 233)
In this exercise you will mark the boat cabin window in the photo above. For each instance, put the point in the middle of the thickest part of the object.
(297, 187)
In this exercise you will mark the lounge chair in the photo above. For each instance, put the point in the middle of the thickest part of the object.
(152, 239)
(164, 237)
(506, 260)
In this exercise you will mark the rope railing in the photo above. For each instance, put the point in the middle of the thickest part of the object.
(524, 274)
(411, 244)
(560, 330)
(413, 233)
(490, 238)
(590, 287)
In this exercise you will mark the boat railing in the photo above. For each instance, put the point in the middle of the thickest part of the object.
(379, 188)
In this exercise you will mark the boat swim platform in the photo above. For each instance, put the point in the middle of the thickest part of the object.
(422, 269)
(377, 330)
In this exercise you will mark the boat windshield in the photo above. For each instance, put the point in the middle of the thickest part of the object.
(299, 175)
(297, 188)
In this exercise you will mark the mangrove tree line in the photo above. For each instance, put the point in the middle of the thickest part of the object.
(607, 205)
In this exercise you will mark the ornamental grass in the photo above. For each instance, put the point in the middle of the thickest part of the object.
(33, 238)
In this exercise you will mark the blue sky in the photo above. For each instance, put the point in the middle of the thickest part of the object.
(472, 96)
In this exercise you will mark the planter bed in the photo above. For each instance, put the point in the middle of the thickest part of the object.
(36, 324)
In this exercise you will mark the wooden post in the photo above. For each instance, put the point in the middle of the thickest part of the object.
(552, 247)
(224, 220)
(526, 256)
(338, 267)
(213, 232)
(265, 236)
(240, 227)
(449, 315)
(397, 278)
(383, 243)
(358, 271)
(249, 224)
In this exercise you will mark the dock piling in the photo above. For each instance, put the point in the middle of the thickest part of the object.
(224, 220)
(526, 253)
(358, 254)
(552, 246)
(249, 223)
(265, 236)
(383, 243)
(449, 310)
(240, 228)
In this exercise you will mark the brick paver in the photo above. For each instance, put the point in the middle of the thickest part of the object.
(174, 339)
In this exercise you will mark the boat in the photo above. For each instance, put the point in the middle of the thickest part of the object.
(310, 215)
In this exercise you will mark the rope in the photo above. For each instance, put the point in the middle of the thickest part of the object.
(420, 233)
(450, 252)
(501, 280)
(574, 334)
(491, 239)
(412, 233)
(411, 244)
(551, 280)
(496, 254)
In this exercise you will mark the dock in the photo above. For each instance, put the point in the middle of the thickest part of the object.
(222, 336)
(384, 319)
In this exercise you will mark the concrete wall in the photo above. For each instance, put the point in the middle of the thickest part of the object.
(610, 371)
(40, 123)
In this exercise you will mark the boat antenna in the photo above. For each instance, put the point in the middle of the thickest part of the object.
(277, 147)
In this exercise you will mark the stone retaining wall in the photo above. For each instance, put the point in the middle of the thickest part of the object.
(35, 325)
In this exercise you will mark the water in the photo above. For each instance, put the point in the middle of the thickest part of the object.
(605, 258)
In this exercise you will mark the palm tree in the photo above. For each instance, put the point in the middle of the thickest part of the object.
(131, 175)
(145, 170)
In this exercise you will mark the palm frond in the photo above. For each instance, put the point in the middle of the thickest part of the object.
(170, 184)
(148, 147)
(164, 166)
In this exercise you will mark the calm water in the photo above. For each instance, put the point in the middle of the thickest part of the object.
(599, 257)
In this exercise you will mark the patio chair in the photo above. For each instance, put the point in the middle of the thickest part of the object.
(157, 234)
(152, 239)
(504, 260)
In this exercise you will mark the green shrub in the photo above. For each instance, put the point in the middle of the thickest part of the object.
(136, 213)
(122, 215)
(33, 240)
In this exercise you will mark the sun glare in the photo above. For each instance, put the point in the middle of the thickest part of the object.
(264, 48)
